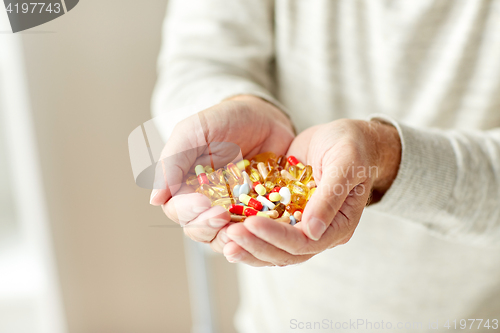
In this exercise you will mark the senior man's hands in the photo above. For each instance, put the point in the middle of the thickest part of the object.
(251, 123)
(351, 159)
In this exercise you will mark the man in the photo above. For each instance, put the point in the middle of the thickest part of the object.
(425, 76)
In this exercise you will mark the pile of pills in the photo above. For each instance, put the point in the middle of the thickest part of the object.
(270, 186)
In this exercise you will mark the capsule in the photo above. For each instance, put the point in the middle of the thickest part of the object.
(246, 178)
(298, 188)
(235, 171)
(280, 208)
(298, 215)
(274, 197)
(285, 219)
(311, 184)
(306, 175)
(262, 169)
(249, 201)
(292, 208)
(216, 177)
(243, 164)
(254, 175)
(270, 164)
(293, 221)
(192, 181)
(261, 190)
(237, 209)
(281, 162)
(224, 202)
(298, 200)
(288, 176)
(202, 176)
(208, 169)
(220, 190)
(294, 161)
(208, 191)
(286, 195)
(294, 171)
(237, 218)
(273, 179)
(263, 157)
(272, 214)
(266, 202)
(311, 193)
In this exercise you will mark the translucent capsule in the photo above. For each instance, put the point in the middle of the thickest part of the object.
(306, 175)
(298, 215)
(294, 171)
(254, 175)
(262, 169)
(264, 157)
(221, 190)
(281, 162)
(299, 200)
(311, 193)
(235, 171)
(287, 176)
(224, 202)
(270, 164)
(274, 179)
(237, 218)
(229, 179)
(216, 177)
(209, 192)
(298, 188)
(310, 184)
(280, 208)
(192, 181)
(208, 169)
(292, 208)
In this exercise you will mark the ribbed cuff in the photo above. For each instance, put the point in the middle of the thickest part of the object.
(426, 178)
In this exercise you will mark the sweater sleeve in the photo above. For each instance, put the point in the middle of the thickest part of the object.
(448, 181)
(213, 50)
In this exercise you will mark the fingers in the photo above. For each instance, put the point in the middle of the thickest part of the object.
(183, 208)
(218, 243)
(288, 238)
(259, 248)
(205, 227)
(235, 253)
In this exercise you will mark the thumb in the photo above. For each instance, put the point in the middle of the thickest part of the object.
(325, 203)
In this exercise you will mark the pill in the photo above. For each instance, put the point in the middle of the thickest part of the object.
(249, 201)
(306, 175)
(246, 178)
(266, 202)
(243, 164)
(236, 191)
(262, 169)
(261, 190)
(237, 209)
(274, 197)
(208, 191)
(311, 184)
(244, 189)
(288, 176)
(292, 220)
(276, 189)
(285, 219)
(234, 170)
(237, 218)
(208, 169)
(294, 161)
(263, 214)
(200, 173)
(272, 214)
(280, 208)
(249, 211)
(298, 215)
(286, 195)
(265, 208)
(311, 193)
(294, 171)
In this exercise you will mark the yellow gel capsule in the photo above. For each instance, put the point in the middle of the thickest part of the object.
(208, 169)
(298, 188)
(216, 177)
(263, 214)
(243, 164)
(261, 190)
(275, 196)
(209, 192)
(263, 157)
(224, 202)
(281, 162)
(262, 169)
(254, 175)
(311, 184)
(221, 190)
(294, 171)
(280, 208)
(270, 164)
(192, 181)
(306, 175)
(287, 176)
(299, 200)
(311, 193)
(292, 208)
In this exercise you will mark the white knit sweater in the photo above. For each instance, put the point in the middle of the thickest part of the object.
(429, 251)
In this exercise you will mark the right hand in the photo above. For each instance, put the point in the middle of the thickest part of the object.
(253, 124)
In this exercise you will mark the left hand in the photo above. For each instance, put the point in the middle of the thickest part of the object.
(351, 159)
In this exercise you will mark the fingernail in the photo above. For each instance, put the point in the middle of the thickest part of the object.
(223, 237)
(200, 209)
(316, 228)
(234, 258)
(153, 194)
(217, 222)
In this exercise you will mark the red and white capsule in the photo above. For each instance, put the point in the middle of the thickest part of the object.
(249, 201)
(201, 175)
(294, 161)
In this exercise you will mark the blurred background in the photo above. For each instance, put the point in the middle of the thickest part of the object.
(101, 256)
